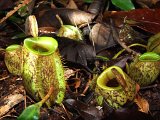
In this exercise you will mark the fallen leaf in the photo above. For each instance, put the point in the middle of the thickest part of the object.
(147, 3)
(47, 17)
(97, 6)
(76, 52)
(11, 100)
(142, 104)
(77, 83)
(102, 37)
(68, 73)
(146, 19)
(86, 112)
(128, 114)
(72, 5)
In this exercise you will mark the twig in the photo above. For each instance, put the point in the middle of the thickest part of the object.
(10, 13)
(4, 78)
(68, 115)
(86, 88)
(149, 87)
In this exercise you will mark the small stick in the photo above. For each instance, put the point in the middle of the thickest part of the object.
(149, 87)
(10, 13)
(4, 78)
(68, 115)
(86, 88)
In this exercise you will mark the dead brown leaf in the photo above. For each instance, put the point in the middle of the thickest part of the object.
(142, 104)
(145, 19)
(137, 88)
(72, 5)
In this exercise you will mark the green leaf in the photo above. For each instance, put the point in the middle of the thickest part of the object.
(88, 1)
(149, 56)
(123, 4)
(102, 57)
(32, 112)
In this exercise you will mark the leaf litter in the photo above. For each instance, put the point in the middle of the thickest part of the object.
(81, 60)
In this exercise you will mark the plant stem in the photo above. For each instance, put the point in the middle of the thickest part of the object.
(59, 19)
(132, 45)
(48, 95)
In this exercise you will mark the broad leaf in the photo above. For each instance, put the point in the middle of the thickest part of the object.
(146, 19)
(47, 17)
(32, 112)
(102, 37)
(123, 4)
(88, 1)
(86, 112)
(76, 52)
(142, 104)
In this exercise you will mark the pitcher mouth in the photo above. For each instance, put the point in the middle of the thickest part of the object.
(112, 83)
(41, 45)
(108, 85)
(107, 80)
(40, 48)
(13, 47)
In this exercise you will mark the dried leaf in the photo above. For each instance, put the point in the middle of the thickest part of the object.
(72, 5)
(101, 37)
(61, 2)
(146, 19)
(31, 26)
(137, 88)
(77, 83)
(11, 100)
(68, 16)
(142, 104)
(85, 111)
(68, 73)
(122, 62)
(147, 3)
(76, 52)
(128, 114)
(47, 19)
(97, 6)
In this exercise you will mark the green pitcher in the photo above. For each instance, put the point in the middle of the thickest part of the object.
(115, 87)
(42, 67)
(145, 68)
(13, 59)
(39, 63)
